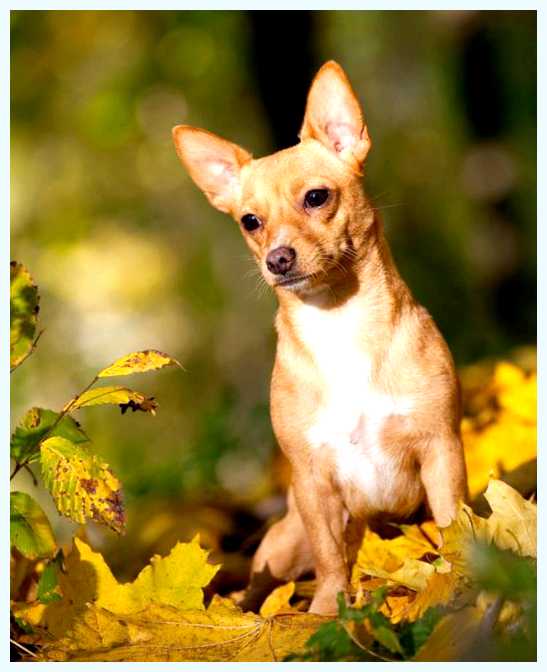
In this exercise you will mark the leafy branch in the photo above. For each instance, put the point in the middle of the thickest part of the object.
(82, 486)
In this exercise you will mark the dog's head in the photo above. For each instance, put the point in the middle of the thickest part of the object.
(300, 209)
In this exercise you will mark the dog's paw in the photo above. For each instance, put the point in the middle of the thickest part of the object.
(325, 602)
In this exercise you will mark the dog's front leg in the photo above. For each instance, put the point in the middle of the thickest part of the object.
(322, 512)
(444, 476)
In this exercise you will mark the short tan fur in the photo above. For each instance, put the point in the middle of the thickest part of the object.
(364, 395)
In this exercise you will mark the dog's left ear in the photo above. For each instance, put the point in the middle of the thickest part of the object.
(334, 117)
(213, 163)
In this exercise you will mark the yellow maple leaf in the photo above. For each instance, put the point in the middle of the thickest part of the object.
(175, 580)
(163, 633)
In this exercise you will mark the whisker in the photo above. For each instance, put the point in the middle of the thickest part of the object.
(385, 207)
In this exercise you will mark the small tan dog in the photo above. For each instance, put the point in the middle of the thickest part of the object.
(364, 396)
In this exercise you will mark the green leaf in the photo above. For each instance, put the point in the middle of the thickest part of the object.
(414, 634)
(30, 531)
(48, 585)
(36, 423)
(24, 308)
(346, 613)
(388, 638)
(504, 572)
(122, 396)
(330, 643)
(81, 485)
(138, 362)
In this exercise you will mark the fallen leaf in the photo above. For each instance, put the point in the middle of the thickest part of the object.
(501, 414)
(158, 617)
(176, 580)
(278, 600)
(453, 636)
(439, 590)
(513, 522)
(435, 566)
(222, 633)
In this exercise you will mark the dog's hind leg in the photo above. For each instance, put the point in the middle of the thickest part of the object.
(283, 555)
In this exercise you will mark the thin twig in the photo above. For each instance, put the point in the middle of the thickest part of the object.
(16, 470)
(66, 409)
(363, 647)
(34, 479)
(491, 616)
(23, 648)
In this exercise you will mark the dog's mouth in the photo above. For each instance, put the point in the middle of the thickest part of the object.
(294, 281)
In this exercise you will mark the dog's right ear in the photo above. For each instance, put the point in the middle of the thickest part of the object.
(334, 117)
(213, 163)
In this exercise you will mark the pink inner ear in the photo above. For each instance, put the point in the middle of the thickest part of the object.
(341, 135)
(221, 171)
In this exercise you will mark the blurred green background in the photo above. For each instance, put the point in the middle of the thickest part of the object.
(128, 254)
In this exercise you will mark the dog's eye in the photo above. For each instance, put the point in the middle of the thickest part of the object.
(315, 197)
(250, 222)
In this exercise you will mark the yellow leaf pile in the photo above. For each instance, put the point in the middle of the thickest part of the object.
(433, 566)
(161, 615)
(158, 617)
(499, 428)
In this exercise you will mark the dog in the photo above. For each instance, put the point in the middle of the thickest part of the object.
(365, 400)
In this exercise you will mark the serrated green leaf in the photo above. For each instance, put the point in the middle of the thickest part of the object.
(30, 531)
(24, 301)
(138, 362)
(36, 423)
(81, 485)
(118, 395)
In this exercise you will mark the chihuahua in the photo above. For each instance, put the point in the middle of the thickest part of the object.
(365, 399)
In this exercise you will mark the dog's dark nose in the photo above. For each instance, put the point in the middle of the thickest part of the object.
(281, 260)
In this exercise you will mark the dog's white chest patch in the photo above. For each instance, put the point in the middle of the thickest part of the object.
(350, 421)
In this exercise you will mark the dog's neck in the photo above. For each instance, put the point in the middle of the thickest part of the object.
(370, 287)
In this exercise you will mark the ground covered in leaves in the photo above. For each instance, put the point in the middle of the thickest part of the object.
(418, 593)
